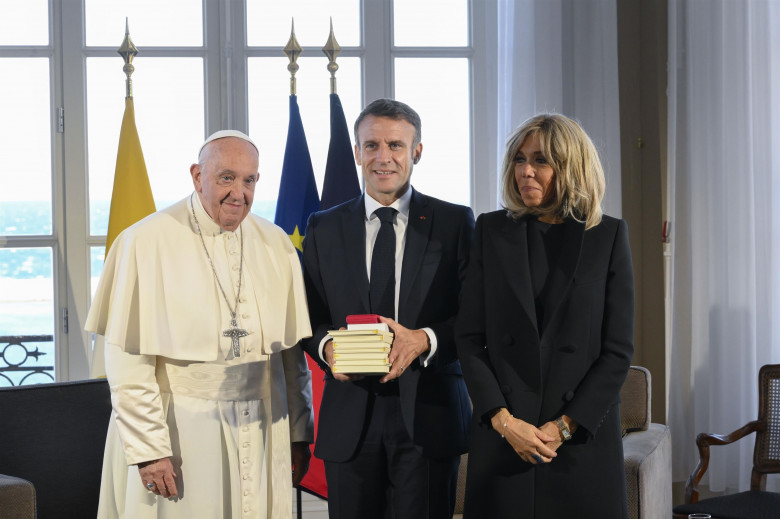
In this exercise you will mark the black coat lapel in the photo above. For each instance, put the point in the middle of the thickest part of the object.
(415, 272)
(353, 228)
(512, 249)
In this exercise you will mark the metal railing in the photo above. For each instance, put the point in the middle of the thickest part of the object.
(16, 357)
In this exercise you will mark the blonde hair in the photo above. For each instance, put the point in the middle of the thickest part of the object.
(578, 183)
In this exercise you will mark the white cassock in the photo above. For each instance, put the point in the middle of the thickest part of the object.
(177, 389)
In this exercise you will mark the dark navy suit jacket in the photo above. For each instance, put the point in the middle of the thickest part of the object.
(435, 405)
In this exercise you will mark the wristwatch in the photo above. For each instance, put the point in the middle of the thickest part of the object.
(565, 432)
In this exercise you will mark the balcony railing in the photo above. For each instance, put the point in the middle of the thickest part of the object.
(19, 361)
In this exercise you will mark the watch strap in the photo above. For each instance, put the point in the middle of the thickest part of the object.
(565, 432)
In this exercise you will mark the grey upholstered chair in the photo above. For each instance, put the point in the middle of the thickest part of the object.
(647, 450)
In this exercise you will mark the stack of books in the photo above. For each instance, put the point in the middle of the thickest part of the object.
(361, 350)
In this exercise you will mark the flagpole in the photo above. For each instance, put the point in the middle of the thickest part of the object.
(128, 51)
(292, 50)
(332, 49)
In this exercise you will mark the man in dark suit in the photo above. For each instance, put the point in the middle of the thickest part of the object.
(398, 253)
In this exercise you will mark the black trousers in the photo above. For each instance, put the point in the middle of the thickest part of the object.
(388, 477)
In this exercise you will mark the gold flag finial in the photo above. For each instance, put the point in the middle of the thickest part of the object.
(292, 50)
(332, 49)
(128, 51)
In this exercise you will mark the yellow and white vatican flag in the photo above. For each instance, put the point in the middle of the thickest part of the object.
(131, 199)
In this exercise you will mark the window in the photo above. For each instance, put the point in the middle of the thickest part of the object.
(222, 67)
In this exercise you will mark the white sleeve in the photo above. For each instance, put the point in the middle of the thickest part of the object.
(299, 402)
(138, 405)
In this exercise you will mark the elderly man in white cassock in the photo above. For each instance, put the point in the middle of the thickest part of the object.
(202, 305)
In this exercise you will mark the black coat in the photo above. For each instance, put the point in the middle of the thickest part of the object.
(576, 367)
(434, 400)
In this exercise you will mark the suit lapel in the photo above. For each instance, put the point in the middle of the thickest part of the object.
(512, 245)
(418, 236)
(563, 274)
(353, 228)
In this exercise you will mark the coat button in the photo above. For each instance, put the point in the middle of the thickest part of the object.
(506, 389)
(569, 348)
(507, 340)
(569, 396)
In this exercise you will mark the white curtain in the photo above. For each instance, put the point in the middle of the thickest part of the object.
(724, 205)
(561, 56)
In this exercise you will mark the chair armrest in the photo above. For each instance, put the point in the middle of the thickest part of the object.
(703, 442)
(17, 498)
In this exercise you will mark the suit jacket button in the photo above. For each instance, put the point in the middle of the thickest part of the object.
(569, 348)
(507, 340)
(569, 396)
(506, 389)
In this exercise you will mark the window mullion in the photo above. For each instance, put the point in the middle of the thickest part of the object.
(70, 78)
(377, 33)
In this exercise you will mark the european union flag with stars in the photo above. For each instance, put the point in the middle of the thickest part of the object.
(298, 195)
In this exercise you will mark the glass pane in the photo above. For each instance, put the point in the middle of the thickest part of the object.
(412, 23)
(444, 170)
(25, 128)
(169, 115)
(97, 256)
(24, 23)
(153, 23)
(269, 22)
(269, 87)
(26, 310)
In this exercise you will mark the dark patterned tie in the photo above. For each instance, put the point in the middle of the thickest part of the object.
(382, 285)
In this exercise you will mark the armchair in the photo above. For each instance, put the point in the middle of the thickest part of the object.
(756, 502)
(647, 450)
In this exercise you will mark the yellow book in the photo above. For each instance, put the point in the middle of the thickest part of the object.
(359, 355)
(360, 347)
(361, 336)
(368, 362)
(361, 368)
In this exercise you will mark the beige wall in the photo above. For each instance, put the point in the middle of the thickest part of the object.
(642, 57)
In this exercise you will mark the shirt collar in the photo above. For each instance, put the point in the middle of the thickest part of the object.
(401, 205)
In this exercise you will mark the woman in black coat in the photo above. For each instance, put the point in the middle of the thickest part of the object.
(545, 335)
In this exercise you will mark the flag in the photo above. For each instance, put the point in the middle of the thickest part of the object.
(341, 184)
(131, 200)
(341, 180)
(298, 196)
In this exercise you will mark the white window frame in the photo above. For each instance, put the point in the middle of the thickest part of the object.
(225, 55)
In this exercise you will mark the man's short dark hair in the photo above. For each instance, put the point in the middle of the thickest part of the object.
(394, 110)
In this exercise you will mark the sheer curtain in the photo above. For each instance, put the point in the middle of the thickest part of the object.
(724, 168)
(561, 56)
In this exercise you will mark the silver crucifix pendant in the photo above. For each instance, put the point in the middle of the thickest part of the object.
(235, 333)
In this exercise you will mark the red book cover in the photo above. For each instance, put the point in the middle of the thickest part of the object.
(363, 319)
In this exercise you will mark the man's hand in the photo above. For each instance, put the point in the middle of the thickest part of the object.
(300, 455)
(342, 377)
(407, 346)
(161, 475)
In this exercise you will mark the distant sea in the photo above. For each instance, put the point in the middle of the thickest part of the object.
(27, 285)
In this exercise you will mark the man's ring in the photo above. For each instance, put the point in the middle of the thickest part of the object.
(537, 458)
(402, 368)
(150, 486)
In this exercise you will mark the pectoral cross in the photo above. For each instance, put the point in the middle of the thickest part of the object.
(235, 333)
